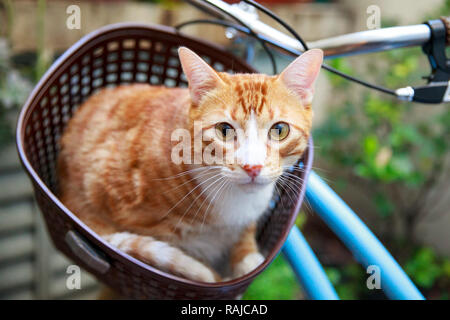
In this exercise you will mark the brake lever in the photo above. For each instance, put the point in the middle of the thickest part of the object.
(437, 90)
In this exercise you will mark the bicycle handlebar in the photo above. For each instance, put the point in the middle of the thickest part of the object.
(349, 44)
(373, 40)
(433, 36)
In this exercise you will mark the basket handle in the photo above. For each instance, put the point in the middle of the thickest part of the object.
(84, 251)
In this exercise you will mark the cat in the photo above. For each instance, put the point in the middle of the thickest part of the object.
(193, 220)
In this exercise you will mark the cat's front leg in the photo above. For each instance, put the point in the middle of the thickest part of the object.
(161, 255)
(245, 256)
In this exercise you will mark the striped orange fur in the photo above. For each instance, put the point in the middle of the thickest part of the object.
(196, 221)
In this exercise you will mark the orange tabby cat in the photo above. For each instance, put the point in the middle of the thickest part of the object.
(119, 172)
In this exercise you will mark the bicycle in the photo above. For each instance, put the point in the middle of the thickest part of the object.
(432, 36)
(91, 56)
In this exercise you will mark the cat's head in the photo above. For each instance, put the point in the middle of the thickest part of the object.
(253, 125)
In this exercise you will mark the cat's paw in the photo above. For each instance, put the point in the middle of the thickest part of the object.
(119, 239)
(248, 264)
(163, 256)
(196, 271)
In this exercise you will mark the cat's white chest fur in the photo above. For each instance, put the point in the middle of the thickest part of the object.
(232, 211)
(239, 207)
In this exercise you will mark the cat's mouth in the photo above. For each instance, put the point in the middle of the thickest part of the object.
(253, 185)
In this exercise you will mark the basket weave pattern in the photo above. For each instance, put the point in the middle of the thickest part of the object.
(120, 54)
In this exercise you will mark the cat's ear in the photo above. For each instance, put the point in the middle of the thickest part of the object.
(301, 74)
(201, 77)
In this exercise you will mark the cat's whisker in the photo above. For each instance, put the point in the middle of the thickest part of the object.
(288, 183)
(295, 193)
(192, 203)
(302, 171)
(274, 174)
(196, 187)
(308, 205)
(187, 172)
(202, 174)
(210, 202)
(297, 168)
(279, 195)
(205, 199)
(316, 169)
(320, 169)
(293, 168)
(287, 192)
(228, 191)
(181, 174)
(293, 176)
(230, 175)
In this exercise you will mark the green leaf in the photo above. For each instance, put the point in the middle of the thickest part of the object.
(401, 166)
(424, 268)
(370, 145)
(301, 219)
(384, 206)
(278, 281)
(334, 275)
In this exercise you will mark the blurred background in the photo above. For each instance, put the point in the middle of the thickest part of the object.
(388, 160)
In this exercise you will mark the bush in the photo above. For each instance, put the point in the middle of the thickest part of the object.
(394, 152)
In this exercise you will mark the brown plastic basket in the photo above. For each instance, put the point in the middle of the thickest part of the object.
(113, 55)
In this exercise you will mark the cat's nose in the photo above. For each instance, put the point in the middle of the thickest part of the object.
(252, 170)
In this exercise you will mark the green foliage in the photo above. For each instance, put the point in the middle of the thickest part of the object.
(425, 267)
(279, 277)
(378, 139)
(301, 219)
(14, 89)
(429, 271)
(278, 281)
(394, 153)
(349, 281)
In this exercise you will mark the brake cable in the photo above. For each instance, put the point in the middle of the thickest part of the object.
(245, 30)
(437, 89)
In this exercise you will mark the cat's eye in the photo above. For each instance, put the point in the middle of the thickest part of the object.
(225, 131)
(279, 131)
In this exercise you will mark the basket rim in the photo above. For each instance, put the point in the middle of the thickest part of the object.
(42, 86)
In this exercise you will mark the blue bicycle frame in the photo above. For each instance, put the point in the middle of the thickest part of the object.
(366, 248)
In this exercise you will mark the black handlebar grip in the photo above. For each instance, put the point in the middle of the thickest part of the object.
(446, 21)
